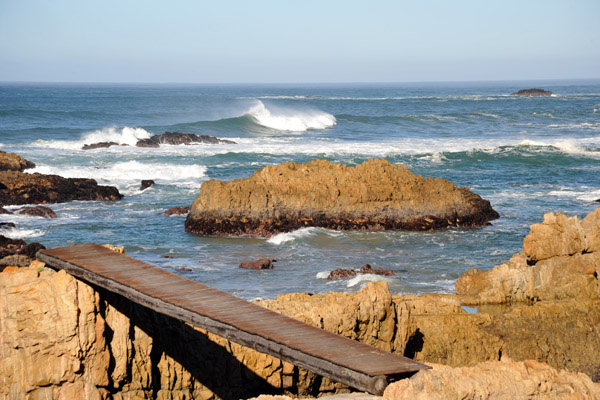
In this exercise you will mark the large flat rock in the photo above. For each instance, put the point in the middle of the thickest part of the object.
(374, 195)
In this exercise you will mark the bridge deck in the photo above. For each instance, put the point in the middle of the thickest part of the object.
(327, 354)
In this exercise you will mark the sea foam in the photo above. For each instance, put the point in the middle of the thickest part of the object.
(123, 136)
(289, 119)
(129, 171)
(291, 236)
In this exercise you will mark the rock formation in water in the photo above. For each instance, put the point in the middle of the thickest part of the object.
(172, 138)
(341, 273)
(16, 252)
(177, 210)
(23, 188)
(532, 93)
(560, 260)
(375, 195)
(177, 138)
(14, 162)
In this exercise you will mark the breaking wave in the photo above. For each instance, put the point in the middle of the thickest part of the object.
(290, 119)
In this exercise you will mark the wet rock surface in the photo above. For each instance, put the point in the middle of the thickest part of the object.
(178, 210)
(375, 195)
(170, 138)
(263, 263)
(146, 183)
(532, 93)
(24, 188)
(341, 273)
(37, 211)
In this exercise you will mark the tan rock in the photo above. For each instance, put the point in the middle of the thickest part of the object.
(560, 260)
(14, 162)
(504, 379)
(375, 195)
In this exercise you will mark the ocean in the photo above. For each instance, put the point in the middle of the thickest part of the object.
(527, 156)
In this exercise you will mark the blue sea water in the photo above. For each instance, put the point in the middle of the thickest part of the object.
(528, 156)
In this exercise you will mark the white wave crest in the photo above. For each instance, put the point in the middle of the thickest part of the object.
(20, 233)
(291, 236)
(323, 274)
(123, 136)
(287, 119)
(122, 173)
(360, 278)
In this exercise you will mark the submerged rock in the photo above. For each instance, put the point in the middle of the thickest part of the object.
(178, 210)
(375, 195)
(560, 259)
(532, 93)
(37, 211)
(24, 188)
(177, 138)
(366, 269)
(263, 263)
(101, 145)
(14, 162)
(146, 183)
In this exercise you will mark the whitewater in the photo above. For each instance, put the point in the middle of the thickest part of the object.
(527, 156)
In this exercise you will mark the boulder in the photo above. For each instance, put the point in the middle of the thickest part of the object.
(341, 273)
(505, 379)
(14, 162)
(37, 211)
(146, 184)
(532, 93)
(263, 263)
(177, 138)
(177, 210)
(375, 195)
(16, 252)
(24, 188)
(560, 260)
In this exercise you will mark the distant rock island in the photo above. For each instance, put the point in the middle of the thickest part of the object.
(374, 196)
(172, 138)
(532, 93)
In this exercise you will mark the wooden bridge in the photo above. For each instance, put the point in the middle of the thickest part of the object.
(333, 356)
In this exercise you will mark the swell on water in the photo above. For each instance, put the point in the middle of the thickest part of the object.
(290, 119)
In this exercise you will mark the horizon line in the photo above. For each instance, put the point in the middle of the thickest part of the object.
(291, 82)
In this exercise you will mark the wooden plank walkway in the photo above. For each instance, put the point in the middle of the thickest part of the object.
(333, 356)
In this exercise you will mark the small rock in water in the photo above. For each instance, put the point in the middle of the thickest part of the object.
(184, 269)
(4, 225)
(263, 263)
(146, 183)
(177, 210)
(532, 92)
(4, 211)
(37, 211)
(342, 273)
(101, 145)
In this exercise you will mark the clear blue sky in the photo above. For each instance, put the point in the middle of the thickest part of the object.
(298, 41)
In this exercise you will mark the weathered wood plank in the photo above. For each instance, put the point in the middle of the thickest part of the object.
(333, 356)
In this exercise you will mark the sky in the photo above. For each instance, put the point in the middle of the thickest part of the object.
(283, 41)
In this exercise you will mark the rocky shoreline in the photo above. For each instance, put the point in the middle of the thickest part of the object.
(18, 187)
(69, 338)
(374, 196)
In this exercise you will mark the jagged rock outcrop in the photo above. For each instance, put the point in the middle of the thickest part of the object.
(532, 93)
(504, 379)
(37, 211)
(172, 138)
(23, 188)
(177, 138)
(560, 260)
(375, 195)
(14, 162)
